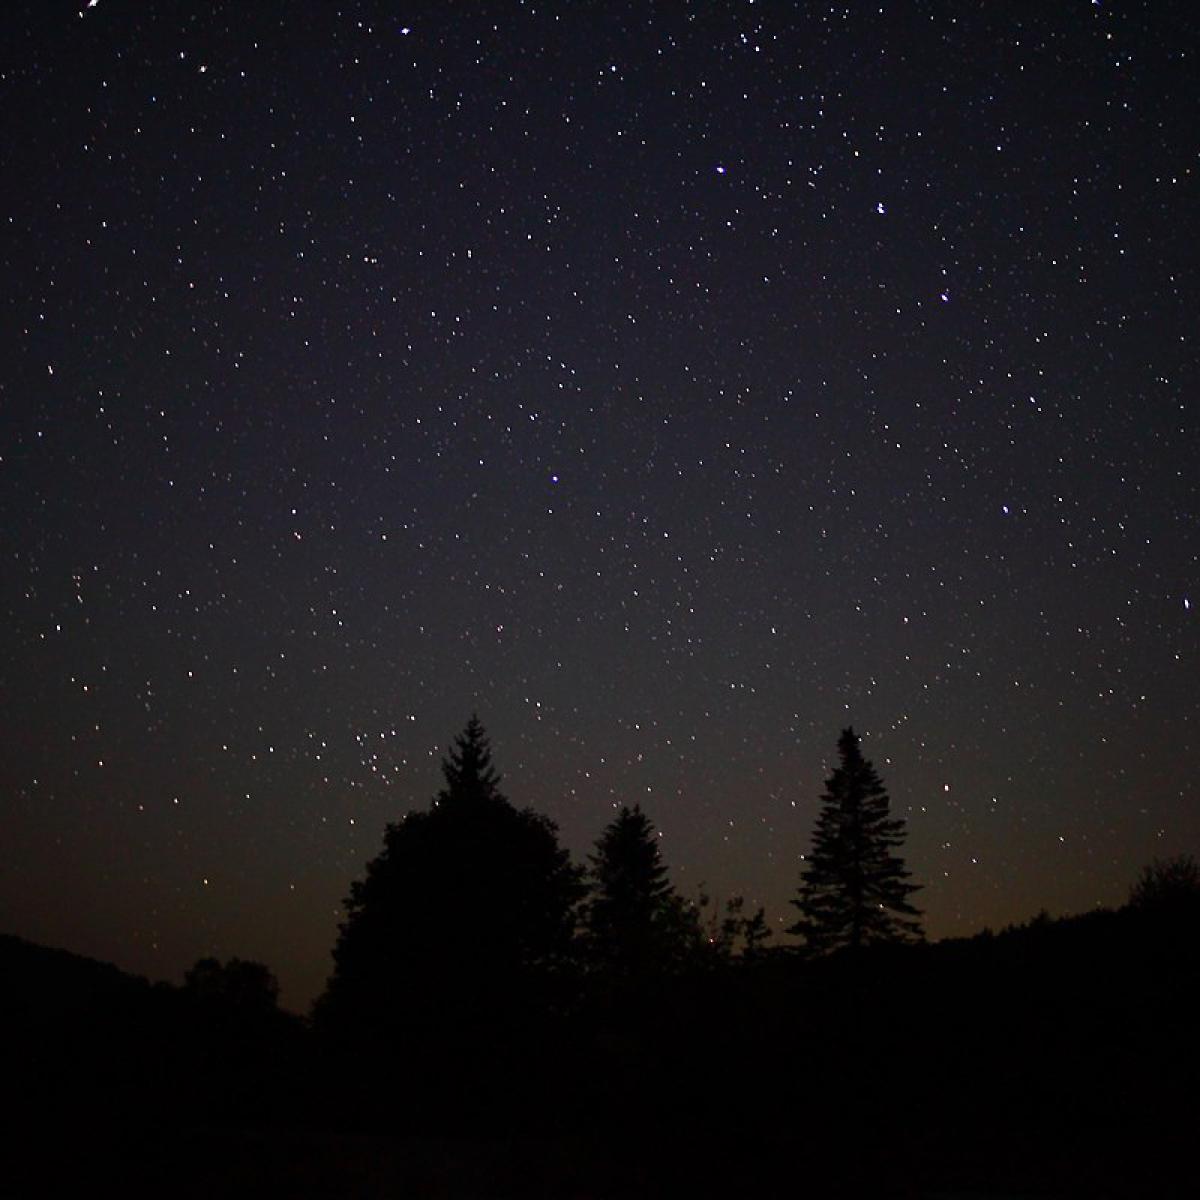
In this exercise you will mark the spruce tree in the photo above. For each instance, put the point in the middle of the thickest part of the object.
(635, 924)
(468, 771)
(854, 889)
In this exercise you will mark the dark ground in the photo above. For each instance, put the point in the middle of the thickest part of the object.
(1059, 1059)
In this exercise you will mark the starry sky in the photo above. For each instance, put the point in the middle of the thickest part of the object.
(673, 384)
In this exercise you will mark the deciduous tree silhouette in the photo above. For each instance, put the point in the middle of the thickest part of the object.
(239, 986)
(1171, 884)
(463, 922)
(854, 888)
(739, 934)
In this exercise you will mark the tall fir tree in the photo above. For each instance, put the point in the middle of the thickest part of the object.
(635, 924)
(854, 887)
(468, 771)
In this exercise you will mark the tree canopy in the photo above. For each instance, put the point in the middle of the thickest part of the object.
(238, 986)
(466, 914)
(1169, 885)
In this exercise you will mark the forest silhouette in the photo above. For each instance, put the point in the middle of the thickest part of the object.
(500, 1020)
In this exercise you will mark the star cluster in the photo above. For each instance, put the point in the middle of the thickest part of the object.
(673, 385)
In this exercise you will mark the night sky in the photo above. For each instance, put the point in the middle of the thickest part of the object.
(672, 384)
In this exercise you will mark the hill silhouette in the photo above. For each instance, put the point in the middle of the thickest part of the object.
(1056, 1058)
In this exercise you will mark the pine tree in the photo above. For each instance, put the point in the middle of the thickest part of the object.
(854, 888)
(468, 771)
(635, 924)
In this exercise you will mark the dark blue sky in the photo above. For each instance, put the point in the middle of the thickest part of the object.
(674, 385)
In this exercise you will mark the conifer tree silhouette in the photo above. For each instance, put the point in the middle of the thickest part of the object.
(635, 923)
(468, 771)
(463, 920)
(854, 888)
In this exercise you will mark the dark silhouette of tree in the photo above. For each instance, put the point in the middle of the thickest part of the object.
(1171, 884)
(462, 923)
(854, 888)
(740, 935)
(468, 771)
(635, 924)
(238, 986)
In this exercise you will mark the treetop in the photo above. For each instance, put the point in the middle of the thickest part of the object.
(467, 768)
